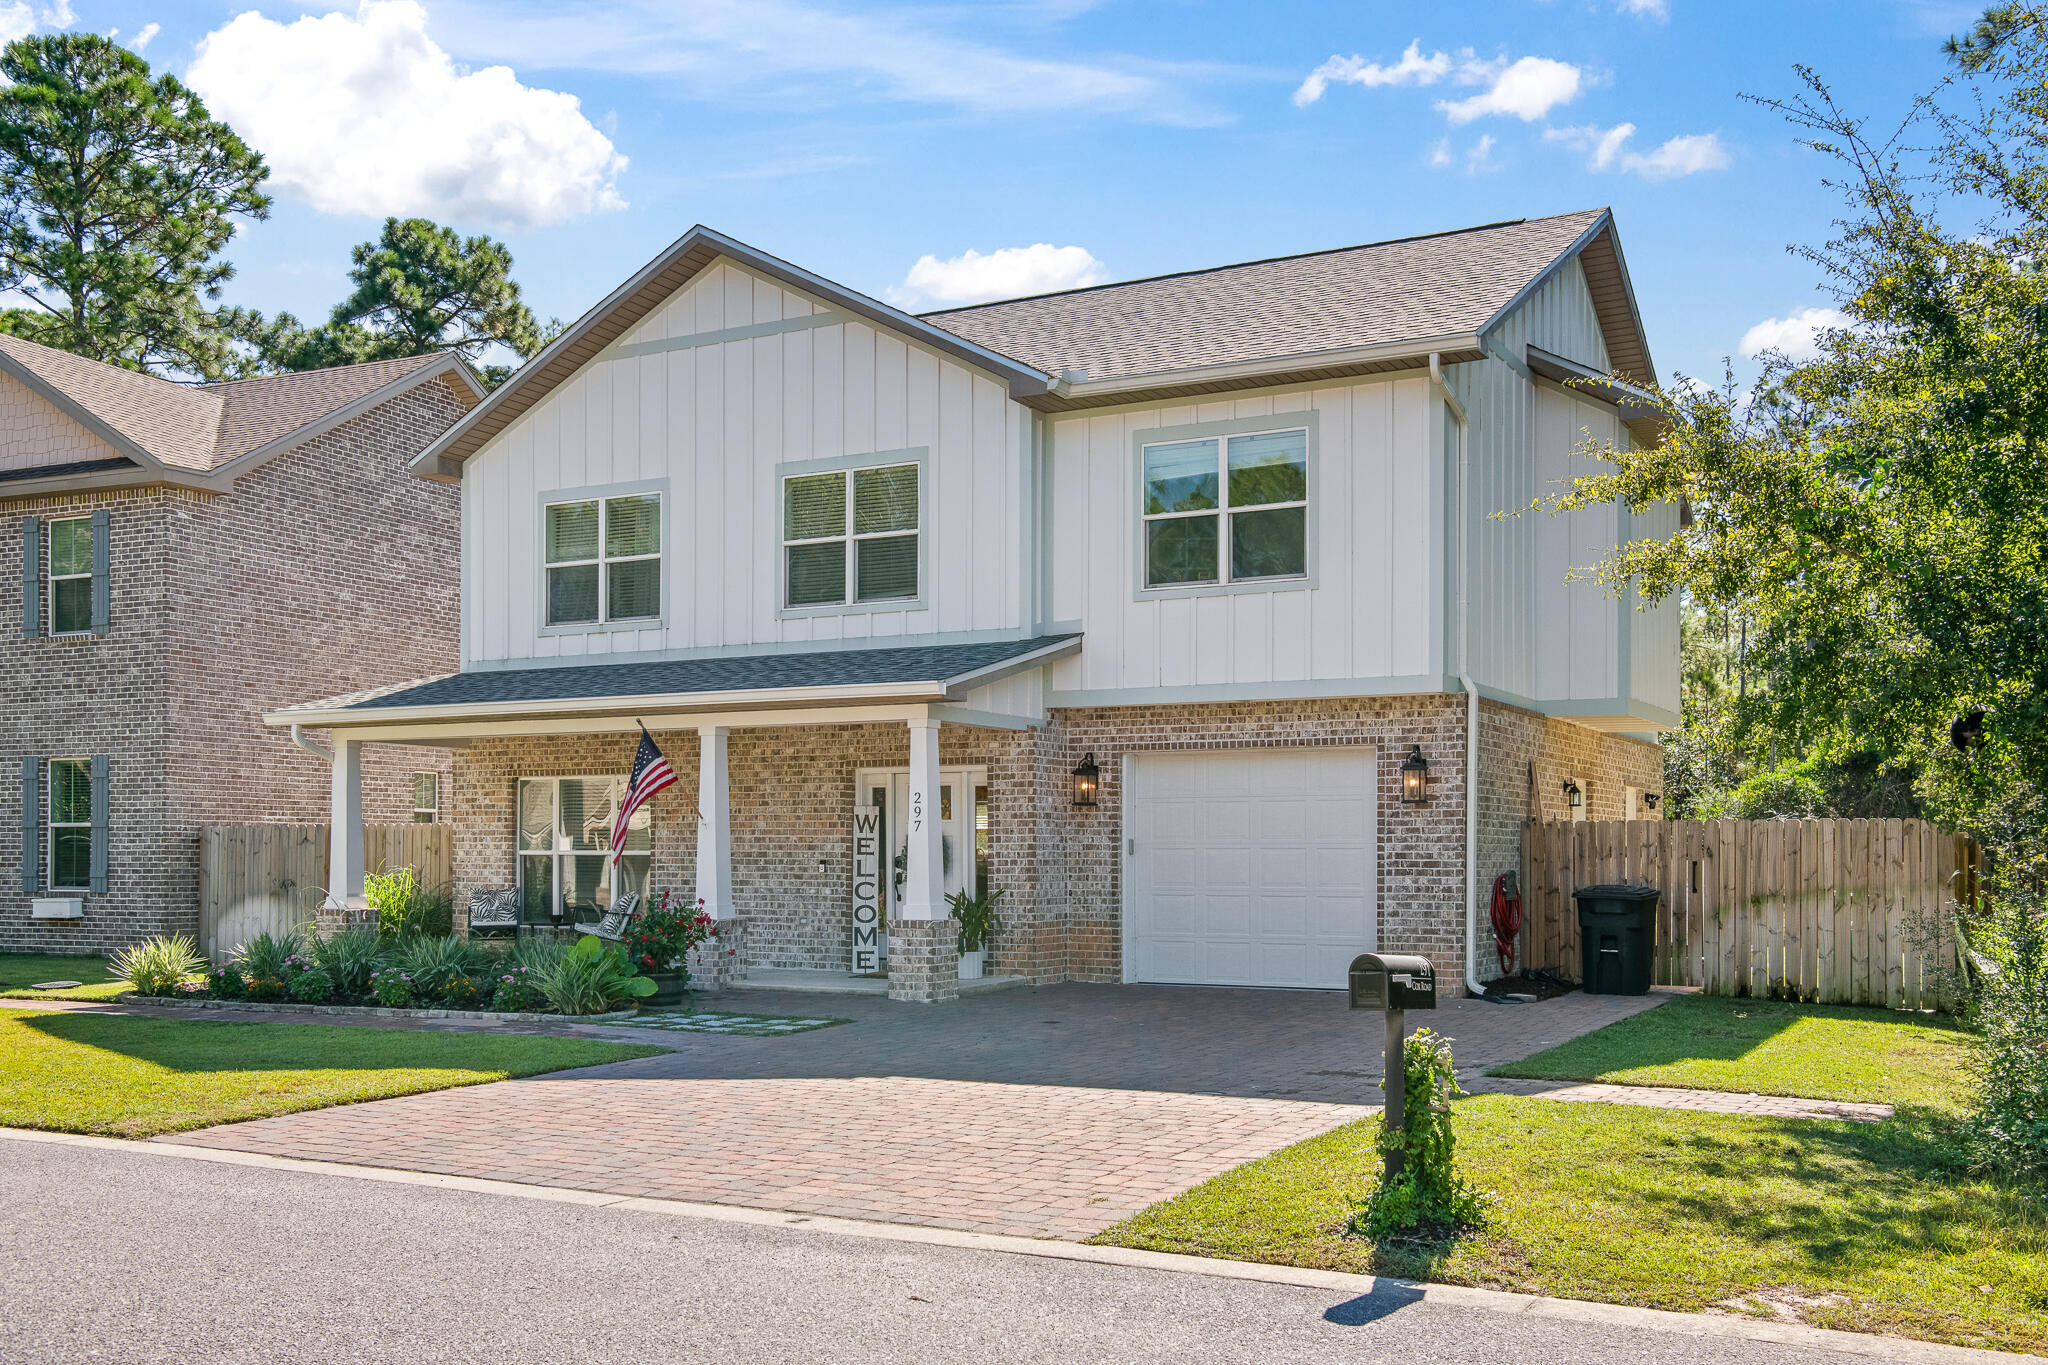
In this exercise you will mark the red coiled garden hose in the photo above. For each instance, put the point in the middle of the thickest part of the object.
(1507, 919)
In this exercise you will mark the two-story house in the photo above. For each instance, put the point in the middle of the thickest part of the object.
(172, 557)
(1178, 610)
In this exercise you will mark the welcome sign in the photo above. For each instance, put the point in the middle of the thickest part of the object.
(867, 890)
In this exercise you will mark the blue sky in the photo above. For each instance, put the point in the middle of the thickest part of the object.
(1139, 138)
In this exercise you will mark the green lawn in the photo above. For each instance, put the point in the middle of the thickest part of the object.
(18, 970)
(132, 1077)
(1712, 1042)
(1866, 1227)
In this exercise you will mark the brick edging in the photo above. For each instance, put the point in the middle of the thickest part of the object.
(378, 1011)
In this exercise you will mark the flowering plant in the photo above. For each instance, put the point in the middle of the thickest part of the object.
(392, 988)
(516, 990)
(664, 935)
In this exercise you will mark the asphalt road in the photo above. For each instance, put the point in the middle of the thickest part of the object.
(127, 1256)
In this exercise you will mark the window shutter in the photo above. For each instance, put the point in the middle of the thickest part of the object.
(31, 824)
(31, 576)
(99, 823)
(102, 582)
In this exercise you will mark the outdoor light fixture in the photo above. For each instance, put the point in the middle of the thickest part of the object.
(1087, 781)
(1573, 797)
(1415, 778)
(1968, 731)
(1651, 799)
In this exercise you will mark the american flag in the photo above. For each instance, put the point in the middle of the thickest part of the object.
(650, 774)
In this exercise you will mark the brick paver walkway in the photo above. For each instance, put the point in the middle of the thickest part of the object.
(1049, 1112)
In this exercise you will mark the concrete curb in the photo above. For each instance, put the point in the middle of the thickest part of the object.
(1362, 1286)
(362, 1011)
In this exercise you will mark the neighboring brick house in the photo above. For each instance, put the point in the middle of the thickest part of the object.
(172, 558)
(1178, 610)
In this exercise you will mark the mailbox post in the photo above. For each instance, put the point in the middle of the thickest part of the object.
(1394, 983)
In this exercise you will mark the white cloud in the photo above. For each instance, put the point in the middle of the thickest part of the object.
(1793, 335)
(1479, 159)
(1412, 69)
(1006, 273)
(1440, 152)
(144, 36)
(1651, 9)
(366, 114)
(794, 53)
(1527, 89)
(20, 19)
(1607, 150)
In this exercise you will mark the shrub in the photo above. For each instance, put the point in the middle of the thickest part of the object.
(404, 909)
(266, 963)
(1428, 1196)
(2008, 945)
(159, 966)
(591, 978)
(311, 987)
(437, 965)
(979, 922)
(227, 983)
(516, 990)
(349, 958)
(391, 987)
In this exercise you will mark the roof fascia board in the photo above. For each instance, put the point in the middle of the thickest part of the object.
(439, 733)
(1279, 365)
(959, 685)
(765, 698)
(1022, 378)
(64, 404)
(1604, 223)
(1635, 404)
(223, 476)
(134, 477)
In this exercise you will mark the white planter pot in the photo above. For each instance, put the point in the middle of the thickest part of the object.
(971, 964)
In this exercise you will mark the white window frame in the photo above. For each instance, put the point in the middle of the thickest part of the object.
(603, 497)
(51, 824)
(51, 578)
(433, 811)
(1305, 422)
(561, 854)
(847, 467)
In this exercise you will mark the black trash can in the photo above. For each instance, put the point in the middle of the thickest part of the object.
(1617, 937)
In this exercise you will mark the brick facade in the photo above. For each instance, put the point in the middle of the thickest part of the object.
(792, 795)
(327, 569)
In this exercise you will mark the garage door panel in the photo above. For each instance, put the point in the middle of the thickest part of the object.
(1252, 867)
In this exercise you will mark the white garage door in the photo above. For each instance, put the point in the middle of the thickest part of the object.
(1250, 867)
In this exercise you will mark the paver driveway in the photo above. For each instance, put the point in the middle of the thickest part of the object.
(1051, 1112)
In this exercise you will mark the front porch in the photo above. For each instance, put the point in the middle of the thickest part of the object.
(825, 831)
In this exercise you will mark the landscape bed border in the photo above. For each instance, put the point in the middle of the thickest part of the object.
(374, 1011)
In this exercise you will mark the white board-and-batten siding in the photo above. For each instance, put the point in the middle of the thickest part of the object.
(1368, 611)
(714, 421)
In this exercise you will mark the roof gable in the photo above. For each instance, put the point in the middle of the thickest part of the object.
(36, 434)
(653, 287)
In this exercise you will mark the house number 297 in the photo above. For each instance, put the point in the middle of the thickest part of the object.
(916, 811)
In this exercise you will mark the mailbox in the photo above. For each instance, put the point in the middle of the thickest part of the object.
(1392, 981)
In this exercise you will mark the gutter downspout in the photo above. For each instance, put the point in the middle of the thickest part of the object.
(1472, 986)
(318, 750)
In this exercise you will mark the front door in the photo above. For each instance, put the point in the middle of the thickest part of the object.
(963, 804)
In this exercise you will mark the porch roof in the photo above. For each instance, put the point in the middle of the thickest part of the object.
(943, 672)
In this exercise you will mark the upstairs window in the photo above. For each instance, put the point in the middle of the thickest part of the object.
(604, 560)
(850, 536)
(70, 578)
(1226, 509)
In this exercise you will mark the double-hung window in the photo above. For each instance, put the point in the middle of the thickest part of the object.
(1226, 509)
(850, 536)
(426, 798)
(70, 824)
(565, 836)
(604, 560)
(70, 576)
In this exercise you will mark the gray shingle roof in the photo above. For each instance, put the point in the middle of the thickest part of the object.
(199, 427)
(1415, 289)
(935, 664)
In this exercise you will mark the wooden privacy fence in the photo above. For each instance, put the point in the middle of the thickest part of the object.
(1850, 912)
(256, 879)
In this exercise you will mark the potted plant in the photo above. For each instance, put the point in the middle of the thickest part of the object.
(976, 914)
(659, 941)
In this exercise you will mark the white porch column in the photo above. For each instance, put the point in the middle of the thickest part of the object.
(924, 892)
(714, 823)
(345, 823)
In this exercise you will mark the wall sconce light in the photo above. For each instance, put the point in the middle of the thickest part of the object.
(1968, 731)
(1651, 799)
(1087, 781)
(1573, 797)
(1415, 778)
